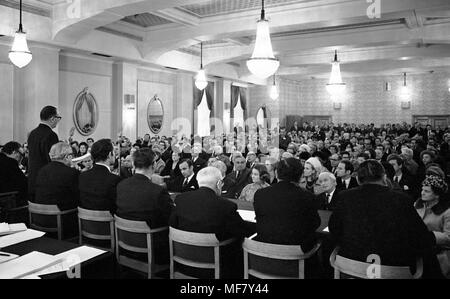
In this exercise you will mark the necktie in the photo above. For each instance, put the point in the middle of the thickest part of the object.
(185, 182)
(237, 174)
(396, 179)
(328, 198)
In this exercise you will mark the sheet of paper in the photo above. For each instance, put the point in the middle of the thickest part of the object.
(6, 256)
(29, 234)
(4, 227)
(326, 229)
(7, 229)
(26, 265)
(247, 215)
(71, 258)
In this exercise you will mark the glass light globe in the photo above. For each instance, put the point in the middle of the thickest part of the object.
(20, 55)
(335, 85)
(274, 92)
(200, 80)
(263, 63)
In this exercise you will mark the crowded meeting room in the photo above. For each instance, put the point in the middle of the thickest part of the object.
(224, 139)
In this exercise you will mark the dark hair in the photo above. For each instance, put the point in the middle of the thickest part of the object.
(48, 112)
(74, 142)
(90, 139)
(396, 158)
(101, 149)
(188, 161)
(263, 173)
(11, 147)
(432, 154)
(290, 170)
(364, 155)
(370, 171)
(373, 155)
(85, 144)
(345, 153)
(304, 155)
(348, 166)
(143, 158)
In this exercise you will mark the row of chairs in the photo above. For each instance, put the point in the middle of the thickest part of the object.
(261, 260)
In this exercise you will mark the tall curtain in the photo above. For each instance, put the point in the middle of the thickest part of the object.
(210, 97)
(234, 99)
(243, 95)
(198, 94)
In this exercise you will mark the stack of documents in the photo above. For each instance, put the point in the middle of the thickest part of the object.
(23, 236)
(26, 265)
(7, 229)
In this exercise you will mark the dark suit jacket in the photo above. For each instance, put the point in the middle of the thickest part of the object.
(233, 186)
(286, 214)
(322, 201)
(409, 181)
(57, 184)
(141, 200)
(173, 173)
(372, 219)
(202, 211)
(39, 142)
(98, 189)
(176, 185)
(341, 185)
(12, 178)
(199, 164)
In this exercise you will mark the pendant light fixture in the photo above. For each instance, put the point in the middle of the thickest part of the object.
(20, 55)
(274, 90)
(404, 92)
(263, 63)
(200, 79)
(335, 85)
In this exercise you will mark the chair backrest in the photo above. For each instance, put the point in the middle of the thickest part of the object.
(198, 250)
(10, 209)
(135, 236)
(274, 261)
(368, 270)
(96, 225)
(48, 210)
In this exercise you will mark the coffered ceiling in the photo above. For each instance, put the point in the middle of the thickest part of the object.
(398, 36)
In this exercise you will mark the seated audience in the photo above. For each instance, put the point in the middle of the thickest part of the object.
(187, 181)
(344, 172)
(271, 165)
(402, 180)
(373, 219)
(57, 182)
(311, 172)
(126, 167)
(260, 179)
(237, 179)
(434, 208)
(98, 185)
(11, 176)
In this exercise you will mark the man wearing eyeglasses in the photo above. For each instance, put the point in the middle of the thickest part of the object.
(40, 142)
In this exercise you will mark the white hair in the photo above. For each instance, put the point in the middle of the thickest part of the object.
(327, 174)
(208, 177)
(59, 151)
(221, 166)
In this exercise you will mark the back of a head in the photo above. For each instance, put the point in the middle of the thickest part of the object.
(143, 158)
(59, 151)
(221, 166)
(290, 170)
(370, 171)
(47, 112)
(11, 147)
(208, 177)
(100, 150)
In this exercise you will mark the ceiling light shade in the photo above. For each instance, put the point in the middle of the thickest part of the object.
(274, 90)
(200, 79)
(263, 63)
(335, 85)
(20, 54)
(405, 93)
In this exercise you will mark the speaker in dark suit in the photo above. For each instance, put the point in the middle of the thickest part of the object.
(198, 163)
(372, 219)
(402, 181)
(327, 200)
(11, 177)
(187, 181)
(237, 179)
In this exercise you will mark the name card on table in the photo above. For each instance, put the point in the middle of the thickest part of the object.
(26, 265)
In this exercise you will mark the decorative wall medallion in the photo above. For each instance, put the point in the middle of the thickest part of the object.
(155, 114)
(85, 113)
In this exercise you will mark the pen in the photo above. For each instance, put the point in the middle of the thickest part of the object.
(4, 254)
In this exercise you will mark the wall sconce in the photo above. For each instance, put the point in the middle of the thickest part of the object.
(337, 105)
(129, 102)
(406, 104)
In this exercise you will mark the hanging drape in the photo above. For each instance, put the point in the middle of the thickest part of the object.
(198, 95)
(234, 99)
(243, 96)
(264, 112)
(209, 90)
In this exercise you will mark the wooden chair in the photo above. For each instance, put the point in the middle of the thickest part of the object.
(9, 210)
(96, 225)
(274, 261)
(137, 237)
(48, 210)
(198, 250)
(359, 269)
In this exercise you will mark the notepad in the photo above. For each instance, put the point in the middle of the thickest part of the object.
(247, 215)
(71, 258)
(16, 238)
(7, 229)
(26, 265)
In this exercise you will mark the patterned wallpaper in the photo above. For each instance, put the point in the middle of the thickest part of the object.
(365, 100)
